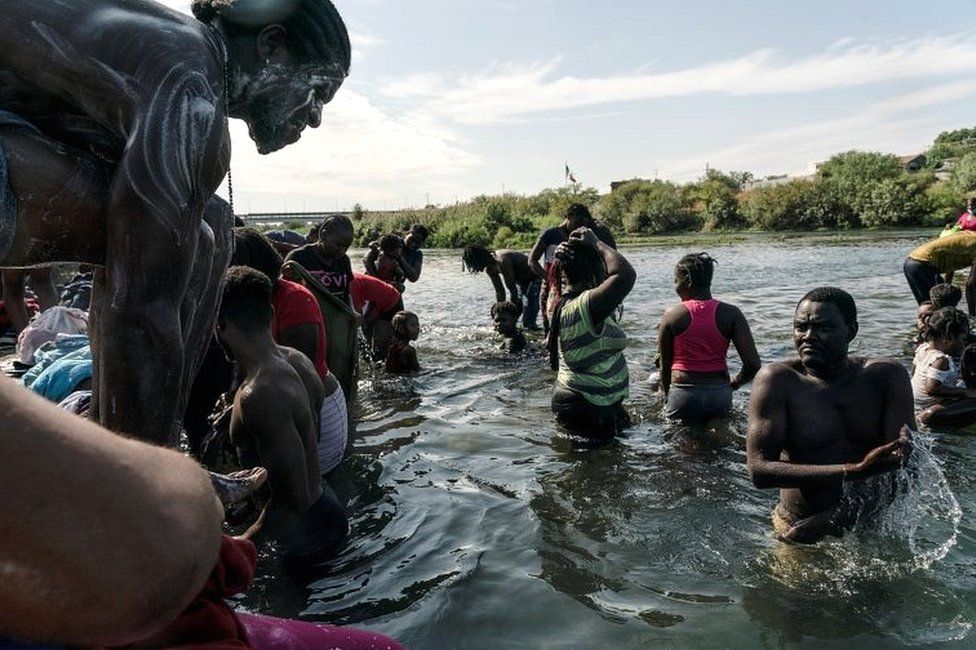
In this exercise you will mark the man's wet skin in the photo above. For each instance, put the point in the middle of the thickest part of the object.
(130, 152)
(824, 418)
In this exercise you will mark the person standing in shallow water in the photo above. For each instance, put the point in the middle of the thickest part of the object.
(113, 123)
(821, 420)
(693, 341)
(273, 424)
(542, 255)
(586, 346)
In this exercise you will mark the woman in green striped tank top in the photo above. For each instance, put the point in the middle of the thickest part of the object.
(585, 343)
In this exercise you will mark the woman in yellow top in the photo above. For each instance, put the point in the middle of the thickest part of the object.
(943, 256)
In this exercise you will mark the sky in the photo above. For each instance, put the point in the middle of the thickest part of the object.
(449, 99)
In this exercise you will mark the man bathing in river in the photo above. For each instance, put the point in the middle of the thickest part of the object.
(274, 425)
(113, 124)
(825, 418)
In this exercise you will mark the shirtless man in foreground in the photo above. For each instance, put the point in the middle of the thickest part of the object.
(825, 418)
(274, 424)
(113, 140)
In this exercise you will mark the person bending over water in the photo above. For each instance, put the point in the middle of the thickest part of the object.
(941, 396)
(693, 339)
(274, 426)
(508, 270)
(112, 158)
(937, 260)
(586, 346)
(825, 418)
(401, 358)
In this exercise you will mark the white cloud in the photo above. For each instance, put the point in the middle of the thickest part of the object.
(891, 125)
(504, 91)
(360, 151)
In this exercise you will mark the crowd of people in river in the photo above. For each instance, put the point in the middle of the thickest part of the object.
(245, 347)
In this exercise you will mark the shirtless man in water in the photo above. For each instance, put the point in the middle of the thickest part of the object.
(825, 418)
(113, 140)
(274, 423)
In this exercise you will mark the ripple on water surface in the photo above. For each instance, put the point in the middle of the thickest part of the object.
(475, 524)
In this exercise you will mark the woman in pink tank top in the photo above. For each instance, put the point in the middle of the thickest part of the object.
(693, 340)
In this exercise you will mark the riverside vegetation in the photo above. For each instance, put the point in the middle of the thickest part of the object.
(851, 190)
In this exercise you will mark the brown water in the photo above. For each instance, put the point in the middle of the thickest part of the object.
(476, 525)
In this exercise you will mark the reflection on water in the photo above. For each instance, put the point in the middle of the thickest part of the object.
(476, 524)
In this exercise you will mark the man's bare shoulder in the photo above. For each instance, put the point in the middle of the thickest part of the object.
(884, 369)
(784, 373)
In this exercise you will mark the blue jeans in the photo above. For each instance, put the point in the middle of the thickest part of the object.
(530, 314)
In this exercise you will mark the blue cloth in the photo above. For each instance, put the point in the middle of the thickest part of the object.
(63, 376)
(8, 202)
(52, 351)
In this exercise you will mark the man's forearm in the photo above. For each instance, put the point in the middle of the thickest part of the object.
(781, 474)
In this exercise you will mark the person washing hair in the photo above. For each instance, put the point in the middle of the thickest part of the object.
(508, 270)
(586, 346)
(693, 341)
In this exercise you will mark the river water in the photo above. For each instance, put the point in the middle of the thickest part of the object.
(475, 524)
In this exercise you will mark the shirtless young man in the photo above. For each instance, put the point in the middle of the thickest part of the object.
(274, 425)
(825, 418)
(113, 126)
(508, 270)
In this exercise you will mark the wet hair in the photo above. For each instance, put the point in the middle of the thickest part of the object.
(400, 320)
(505, 308)
(696, 270)
(316, 32)
(583, 266)
(945, 295)
(476, 259)
(253, 249)
(335, 223)
(388, 242)
(843, 300)
(246, 299)
(579, 213)
(419, 230)
(946, 323)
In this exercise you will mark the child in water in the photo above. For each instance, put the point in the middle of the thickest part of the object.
(941, 396)
(506, 315)
(401, 358)
(388, 261)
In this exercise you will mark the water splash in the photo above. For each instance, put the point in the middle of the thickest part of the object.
(904, 522)
(923, 514)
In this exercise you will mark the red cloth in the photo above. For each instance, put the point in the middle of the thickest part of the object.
(208, 622)
(371, 296)
(268, 633)
(295, 305)
(967, 221)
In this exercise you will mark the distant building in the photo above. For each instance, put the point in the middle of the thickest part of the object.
(768, 181)
(913, 162)
(616, 185)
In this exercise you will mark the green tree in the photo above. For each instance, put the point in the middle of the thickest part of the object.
(963, 178)
(895, 202)
(854, 174)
